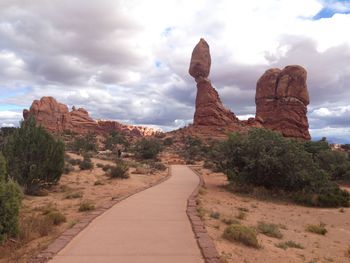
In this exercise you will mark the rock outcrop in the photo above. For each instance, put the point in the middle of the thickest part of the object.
(281, 101)
(209, 109)
(56, 118)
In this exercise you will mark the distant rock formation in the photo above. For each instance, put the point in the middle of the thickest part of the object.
(281, 101)
(209, 109)
(56, 118)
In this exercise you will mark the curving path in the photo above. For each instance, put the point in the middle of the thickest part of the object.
(149, 227)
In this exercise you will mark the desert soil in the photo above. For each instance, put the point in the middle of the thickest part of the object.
(83, 183)
(292, 219)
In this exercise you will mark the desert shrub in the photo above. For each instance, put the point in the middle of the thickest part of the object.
(98, 182)
(158, 166)
(86, 205)
(317, 229)
(168, 141)
(34, 158)
(106, 167)
(74, 195)
(115, 138)
(100, 165)
(335, 163)
(215, 215)
(119, 171)
(243, 234)
(289, 243)
(56, 217)
(230, 221)
(268, 229)
(86, 143)
(74, 161)
(263, 158)
(147, 148)
(10, 200)
(34, 226)
(68, 168)
(86, 164)
(194, 149)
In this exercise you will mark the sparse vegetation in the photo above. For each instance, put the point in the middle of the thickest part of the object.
(317, 229)
(168, 141)
(289, 244)
(147, 148)
(56, 217)
(68, 168)
(83, 144)
(269, 229)
(120, 170)
(74, 195)
(201, 212)
(86, 164)
(215, 215)
(243, 234)
(230, 221)
(86, 205)
(241, 215)
(114, 139)
(34, 158)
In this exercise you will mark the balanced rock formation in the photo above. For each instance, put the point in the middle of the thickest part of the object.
(281, 101)
(56, 118)
(209, 109)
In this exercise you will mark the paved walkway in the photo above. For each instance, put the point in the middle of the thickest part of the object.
(149, 227)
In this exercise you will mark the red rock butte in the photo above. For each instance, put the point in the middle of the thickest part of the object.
(281, 101)
(56, 118)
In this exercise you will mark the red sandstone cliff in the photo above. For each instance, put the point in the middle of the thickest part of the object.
(56, 118)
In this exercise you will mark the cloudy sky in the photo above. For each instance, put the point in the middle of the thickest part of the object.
(127, 60)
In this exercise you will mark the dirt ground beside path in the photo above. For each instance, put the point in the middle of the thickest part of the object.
(73, 189)
(216, 204)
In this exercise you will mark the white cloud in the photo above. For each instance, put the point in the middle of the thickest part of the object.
(128, 59)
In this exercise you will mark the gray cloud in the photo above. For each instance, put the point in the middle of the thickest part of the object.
(94, 54)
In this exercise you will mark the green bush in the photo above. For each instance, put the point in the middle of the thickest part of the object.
(86, 143)
(243, 234)
(10, 200)
(34, 158)
(263, 158)
(168, 141)
(86, 164)
(3, 170)
(119, 171)
(113, 139)
(147, 148)
(194, 149)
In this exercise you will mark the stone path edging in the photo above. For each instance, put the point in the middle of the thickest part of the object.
(206, 245)
(59, 243)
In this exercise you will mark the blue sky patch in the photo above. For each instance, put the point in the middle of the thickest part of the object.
(333, 7)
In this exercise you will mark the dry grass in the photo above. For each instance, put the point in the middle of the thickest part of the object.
(289, 244)
(317, 229)
(243, 234)
(269, 229)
